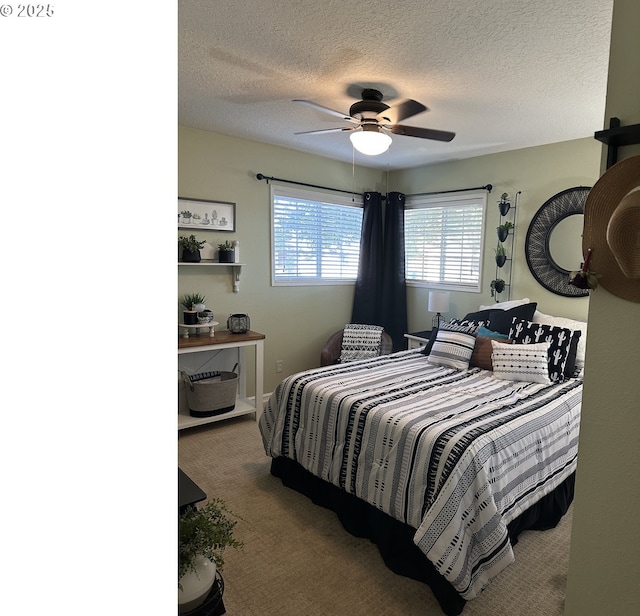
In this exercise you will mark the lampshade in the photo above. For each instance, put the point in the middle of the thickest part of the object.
(370, 140)
(438, 301)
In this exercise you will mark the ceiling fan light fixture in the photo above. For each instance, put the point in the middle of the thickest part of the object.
(370, 140)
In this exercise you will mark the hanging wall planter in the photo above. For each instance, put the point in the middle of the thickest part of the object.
(501, 255)
(497, 286)
(503, 230)
(504, 204)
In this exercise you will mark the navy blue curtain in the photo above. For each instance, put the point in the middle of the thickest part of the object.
(368, 292)
(380, 294)
(394, 288)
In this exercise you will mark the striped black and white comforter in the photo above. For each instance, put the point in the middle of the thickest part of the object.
(457, 455)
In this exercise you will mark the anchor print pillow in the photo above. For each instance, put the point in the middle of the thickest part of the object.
(563, 344)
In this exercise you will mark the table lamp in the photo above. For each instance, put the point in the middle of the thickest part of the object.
(438, 303)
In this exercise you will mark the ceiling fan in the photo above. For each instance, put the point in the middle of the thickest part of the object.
(372, 120)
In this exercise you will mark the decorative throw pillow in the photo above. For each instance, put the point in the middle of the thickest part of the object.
(481, 356)
(489, 333)
(452, 348)
(561, 364)
(521, 362)
(465, 324)
(581, 326)
(501, 319)
(481, 316)
(360, 341)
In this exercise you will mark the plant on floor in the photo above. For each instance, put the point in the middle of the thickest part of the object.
(206, 531)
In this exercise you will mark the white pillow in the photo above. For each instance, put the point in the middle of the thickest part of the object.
(540, 317)
(453, 349)
(507, 305)
(521, 362)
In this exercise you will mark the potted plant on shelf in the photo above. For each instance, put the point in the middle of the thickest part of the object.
(190, 248)
(504, 204)
(193, 304)
(186, 216)
(203, 534)
(226, 253)
(497, 286)
(501, 255)
(503, 230)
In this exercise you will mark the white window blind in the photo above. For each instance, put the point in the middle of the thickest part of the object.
(443, 241)
(315, 236)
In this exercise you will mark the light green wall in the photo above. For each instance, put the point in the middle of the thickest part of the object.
(539, 173)
(605, 543)
(298, 320)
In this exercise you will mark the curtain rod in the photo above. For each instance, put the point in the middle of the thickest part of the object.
(261, 176)
(488, 188)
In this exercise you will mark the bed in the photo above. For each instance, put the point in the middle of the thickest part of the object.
(441, 466)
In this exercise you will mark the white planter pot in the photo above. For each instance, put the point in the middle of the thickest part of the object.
(196, 585)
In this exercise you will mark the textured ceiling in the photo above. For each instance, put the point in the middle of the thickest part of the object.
(501, 74)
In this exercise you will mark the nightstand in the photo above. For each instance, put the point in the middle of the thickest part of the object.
(417, 339)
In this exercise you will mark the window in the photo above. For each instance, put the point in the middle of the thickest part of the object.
(315, 237)
(443, 241)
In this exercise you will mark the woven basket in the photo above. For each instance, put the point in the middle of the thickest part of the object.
(210, 393)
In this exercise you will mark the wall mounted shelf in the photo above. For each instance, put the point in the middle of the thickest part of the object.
(237, 269)
(617, 136)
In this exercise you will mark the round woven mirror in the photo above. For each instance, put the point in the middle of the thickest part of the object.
(554, 241)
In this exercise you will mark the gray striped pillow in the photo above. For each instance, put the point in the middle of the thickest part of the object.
(452, 348)
(521, 362)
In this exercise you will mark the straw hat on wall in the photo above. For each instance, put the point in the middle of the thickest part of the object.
(612, 229)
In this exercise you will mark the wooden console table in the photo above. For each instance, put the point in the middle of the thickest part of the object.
(203, 343)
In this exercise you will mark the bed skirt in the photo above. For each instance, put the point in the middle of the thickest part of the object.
(395, 539)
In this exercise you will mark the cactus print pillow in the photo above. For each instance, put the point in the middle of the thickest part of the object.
(563, 345)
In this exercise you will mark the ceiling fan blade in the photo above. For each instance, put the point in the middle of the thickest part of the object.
(401, 111)
(324, 130)
(422, 133)
(333, 112)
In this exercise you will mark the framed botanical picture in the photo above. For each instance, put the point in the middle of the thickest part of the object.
(204, 214)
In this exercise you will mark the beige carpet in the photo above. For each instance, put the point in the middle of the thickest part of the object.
(298, 559)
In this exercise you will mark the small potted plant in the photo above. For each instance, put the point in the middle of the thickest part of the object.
(190, 248)
(503, 230)
(192, 303)
(203, 534)
(226, 253)
(497, 286)
(504, 204)
(186, 216)
(501, 255)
